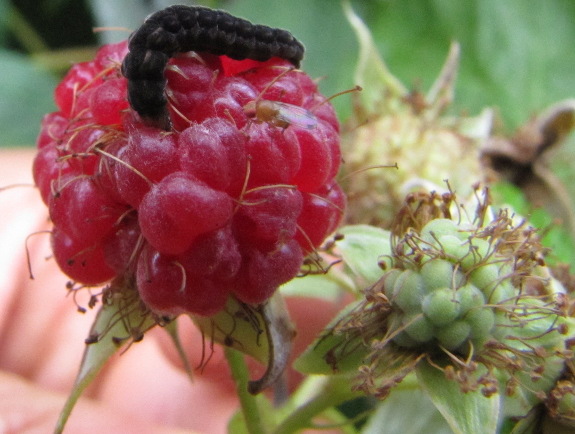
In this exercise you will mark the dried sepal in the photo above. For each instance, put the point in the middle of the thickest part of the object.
(523, 159)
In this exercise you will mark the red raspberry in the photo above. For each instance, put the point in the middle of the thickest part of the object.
(227, 203)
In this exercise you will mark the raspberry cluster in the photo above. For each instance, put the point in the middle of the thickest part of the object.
(227, 202)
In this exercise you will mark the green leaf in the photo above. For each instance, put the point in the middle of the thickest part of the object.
(407, 412)
(469, 412)
(26, 96)
(331, 49)
(120, 14)
(122, 320)
(4, 6)
(363, 248)
(515, 54)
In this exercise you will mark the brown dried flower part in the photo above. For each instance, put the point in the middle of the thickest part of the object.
(524, 159)
(401, 141)
(420, 208)
(560, 402)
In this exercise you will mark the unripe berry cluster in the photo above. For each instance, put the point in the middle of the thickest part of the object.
(457, 293)
(227, 202)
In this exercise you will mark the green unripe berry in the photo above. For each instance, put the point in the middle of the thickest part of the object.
(441, 306)
(404, 340)
(481, 322)
(437, 273)
(408, 291)
(455, 248)
(503, 293)
(477, 250)
(389, 281)
(503, 324)
(453, 335)
(437, 228)
(458, 279)
(418, 327)
(486, 277)
(506, 270)
(469, 296)
(566, 406)
(401, 338)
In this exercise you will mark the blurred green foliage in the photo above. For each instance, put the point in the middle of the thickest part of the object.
(516, 55)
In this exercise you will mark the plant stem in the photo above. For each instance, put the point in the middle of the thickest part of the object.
(24, 32)
(247, 401)
(59, 61)
(334, 392)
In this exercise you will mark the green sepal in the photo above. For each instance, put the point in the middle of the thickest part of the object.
(122, 320)
(174, 333)
(264, 332)
(529, 424)
(239, 326)
(469, 412)
(363, 248)
(325, 286)
(333, 353)
(372, 73)
(395, 414)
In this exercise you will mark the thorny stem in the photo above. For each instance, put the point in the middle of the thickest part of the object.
(248, 402)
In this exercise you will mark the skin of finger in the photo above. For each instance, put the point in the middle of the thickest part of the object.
(19, 210)
(143, 375)
(42, 338)
(39, 325)
(27, 408)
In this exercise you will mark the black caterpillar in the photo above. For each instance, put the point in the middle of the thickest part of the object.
(178, 29)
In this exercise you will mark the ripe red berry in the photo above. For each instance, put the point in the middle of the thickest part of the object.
(171, 289)
(74, 83)
(264, 271)
(179, 209)
(319, 207)
(108, 101)
(82, 261)
(82, 210)
(224, 203)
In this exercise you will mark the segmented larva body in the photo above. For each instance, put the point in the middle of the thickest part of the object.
(178, 29)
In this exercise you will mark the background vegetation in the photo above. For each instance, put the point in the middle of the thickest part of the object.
(516, 55)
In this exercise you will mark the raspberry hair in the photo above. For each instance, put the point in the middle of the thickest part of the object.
(179, 29)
